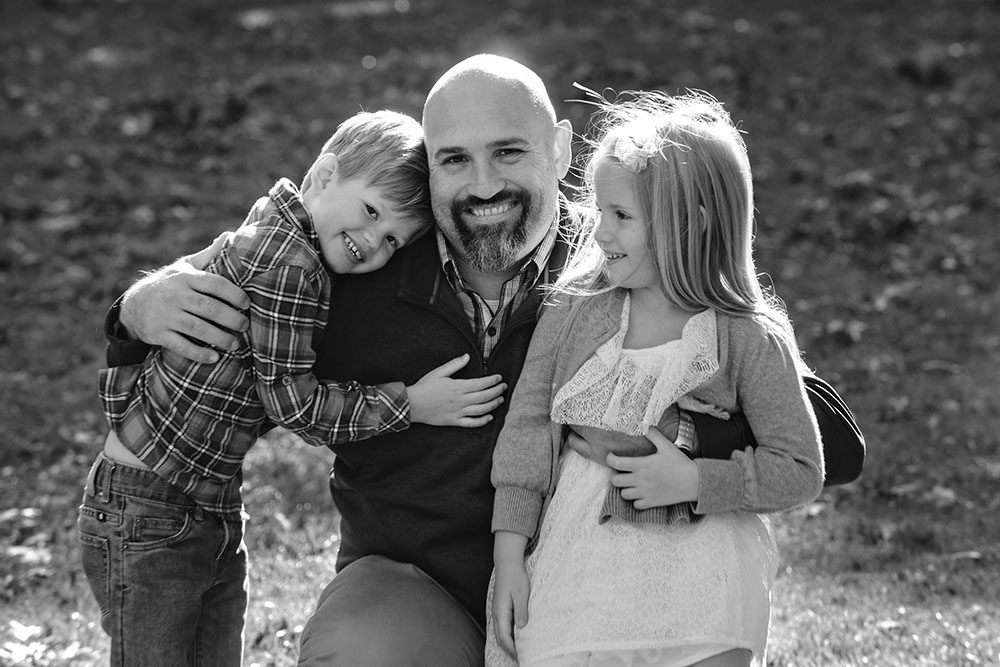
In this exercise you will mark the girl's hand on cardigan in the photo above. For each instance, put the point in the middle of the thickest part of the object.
(440, 400)
(665, 477)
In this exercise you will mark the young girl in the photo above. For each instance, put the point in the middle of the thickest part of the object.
(660, 306)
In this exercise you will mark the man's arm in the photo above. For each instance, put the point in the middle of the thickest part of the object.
(843, 442)
(179, 307)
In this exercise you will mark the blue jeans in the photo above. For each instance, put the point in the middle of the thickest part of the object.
(170, 578)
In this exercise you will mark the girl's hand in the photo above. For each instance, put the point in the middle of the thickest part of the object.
(510, 604)
(665, 477)
(440, 400)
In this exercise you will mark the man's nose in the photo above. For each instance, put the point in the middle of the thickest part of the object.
(486, 181)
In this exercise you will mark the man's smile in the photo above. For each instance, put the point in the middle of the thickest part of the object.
(492, 209)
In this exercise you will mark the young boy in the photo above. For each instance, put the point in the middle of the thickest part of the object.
(161, 524)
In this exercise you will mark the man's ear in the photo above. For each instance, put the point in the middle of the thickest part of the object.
(563, 147)
(323, 170)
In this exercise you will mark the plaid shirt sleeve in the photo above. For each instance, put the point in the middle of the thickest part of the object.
(284, 313)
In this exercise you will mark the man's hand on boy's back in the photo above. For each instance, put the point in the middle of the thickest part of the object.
(184, 309)
(441, 400)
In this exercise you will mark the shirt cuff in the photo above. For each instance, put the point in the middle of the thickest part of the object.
(123, 350)
(720, 486)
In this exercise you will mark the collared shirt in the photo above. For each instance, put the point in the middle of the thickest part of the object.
(489, 318)
(194, 423)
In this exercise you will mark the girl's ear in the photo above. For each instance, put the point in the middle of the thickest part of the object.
(323, 170)
(563, 148)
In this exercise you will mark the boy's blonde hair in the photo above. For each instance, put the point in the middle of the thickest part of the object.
(693, 186)
(387, 149)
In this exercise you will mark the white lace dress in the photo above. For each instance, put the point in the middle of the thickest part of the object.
(626, 594)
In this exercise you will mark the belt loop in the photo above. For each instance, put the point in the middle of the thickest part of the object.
(104, 493)
(89, 490)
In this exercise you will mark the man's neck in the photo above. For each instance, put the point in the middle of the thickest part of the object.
(487, 284)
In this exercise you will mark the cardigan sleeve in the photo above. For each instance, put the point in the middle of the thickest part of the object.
(525, 454)
(786, 468)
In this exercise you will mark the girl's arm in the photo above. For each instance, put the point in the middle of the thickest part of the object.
(525, 454)
(786, 468)
(511, 588)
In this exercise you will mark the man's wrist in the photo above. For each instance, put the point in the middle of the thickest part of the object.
(687, 435)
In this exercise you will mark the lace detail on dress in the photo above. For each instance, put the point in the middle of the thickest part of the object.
(628, 390)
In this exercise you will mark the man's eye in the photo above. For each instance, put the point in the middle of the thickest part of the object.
(453, 159)
(372, 212)
(509, 152)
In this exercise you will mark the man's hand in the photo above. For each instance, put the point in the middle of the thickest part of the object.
(440, 400)
(510, 590)
(186, 310)
(665, 477)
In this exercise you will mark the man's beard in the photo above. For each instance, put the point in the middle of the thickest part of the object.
(493, 247)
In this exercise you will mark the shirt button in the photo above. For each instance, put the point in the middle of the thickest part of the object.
(492, 331)
(286, 380)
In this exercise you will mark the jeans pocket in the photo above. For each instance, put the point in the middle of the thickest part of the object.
(148, 531)
(95, 555)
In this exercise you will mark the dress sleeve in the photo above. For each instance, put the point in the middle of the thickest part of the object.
(523, 460)
(283, 309)
(786, 467)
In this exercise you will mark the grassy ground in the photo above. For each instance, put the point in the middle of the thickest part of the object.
(132, 132)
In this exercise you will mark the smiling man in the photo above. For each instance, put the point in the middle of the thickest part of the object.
(416, 547)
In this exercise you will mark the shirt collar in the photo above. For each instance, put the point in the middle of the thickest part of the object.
(288, 199)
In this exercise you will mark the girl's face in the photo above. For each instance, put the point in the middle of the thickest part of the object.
(622, 232)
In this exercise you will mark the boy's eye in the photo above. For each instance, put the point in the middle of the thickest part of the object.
(372, 212)
(393, 241)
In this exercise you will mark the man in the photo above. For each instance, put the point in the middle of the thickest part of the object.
(416, 548)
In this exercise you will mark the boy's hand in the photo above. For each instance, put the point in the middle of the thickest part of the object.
(510, 603)
(665, 477)
(440, 400)
(186, 310)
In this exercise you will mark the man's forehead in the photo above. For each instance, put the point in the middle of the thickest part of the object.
(482, 121)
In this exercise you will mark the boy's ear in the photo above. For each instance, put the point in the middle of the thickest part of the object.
(324, 169)
(563, 148)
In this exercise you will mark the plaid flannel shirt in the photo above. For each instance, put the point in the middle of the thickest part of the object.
(488, 323)
(193, 424)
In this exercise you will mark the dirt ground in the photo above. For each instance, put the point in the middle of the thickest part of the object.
(132, 132)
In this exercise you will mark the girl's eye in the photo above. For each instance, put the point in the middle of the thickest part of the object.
(372, 213)
(622, 215)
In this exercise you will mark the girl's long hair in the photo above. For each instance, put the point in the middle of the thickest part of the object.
(693, 185)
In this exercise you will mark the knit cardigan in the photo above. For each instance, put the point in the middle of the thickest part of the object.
(757, 375)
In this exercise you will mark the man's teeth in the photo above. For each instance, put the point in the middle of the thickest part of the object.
(483, 211)
(353, 249)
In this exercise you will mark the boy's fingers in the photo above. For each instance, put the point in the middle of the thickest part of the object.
(478, 384)
(477, 409)
(484, 395)
(450, 367)
(475, 422)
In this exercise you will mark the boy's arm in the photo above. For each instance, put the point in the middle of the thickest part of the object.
(284, 305)
(179, 307)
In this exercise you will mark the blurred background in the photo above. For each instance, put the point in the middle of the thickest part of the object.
(134, 131)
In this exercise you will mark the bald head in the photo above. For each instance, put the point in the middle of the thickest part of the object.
(492, 75)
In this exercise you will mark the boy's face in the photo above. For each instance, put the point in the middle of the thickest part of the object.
(358, 228)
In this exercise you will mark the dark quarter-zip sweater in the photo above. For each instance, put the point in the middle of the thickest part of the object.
(422, 495)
